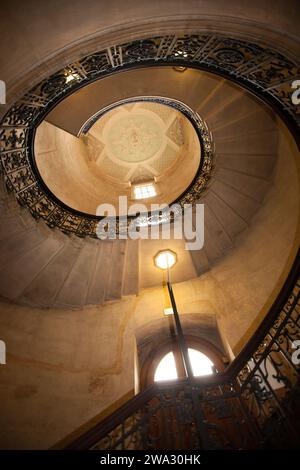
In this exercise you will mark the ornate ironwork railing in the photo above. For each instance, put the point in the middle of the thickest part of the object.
(263, 71)
(253, 404)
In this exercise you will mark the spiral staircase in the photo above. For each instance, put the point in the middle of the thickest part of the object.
(43, 267)
(237, 75)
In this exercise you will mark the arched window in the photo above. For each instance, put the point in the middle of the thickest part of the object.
(167, 369)
(165, 363)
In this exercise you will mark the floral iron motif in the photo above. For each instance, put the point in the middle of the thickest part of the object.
(267, 72)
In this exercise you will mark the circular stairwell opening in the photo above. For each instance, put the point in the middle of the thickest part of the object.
(144, 141)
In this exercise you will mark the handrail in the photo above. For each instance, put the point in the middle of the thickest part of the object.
(107, 424)
(268, 320)
(248, 371)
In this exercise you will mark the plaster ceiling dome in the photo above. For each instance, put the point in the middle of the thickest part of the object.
(134, 136)
(129, 144)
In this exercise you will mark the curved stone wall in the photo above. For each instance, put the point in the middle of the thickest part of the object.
(44, 40)
(74, 364)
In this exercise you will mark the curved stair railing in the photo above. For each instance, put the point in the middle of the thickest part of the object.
(253, 404)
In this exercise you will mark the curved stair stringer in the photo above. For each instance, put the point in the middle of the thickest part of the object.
(46, 268)
(246, 153)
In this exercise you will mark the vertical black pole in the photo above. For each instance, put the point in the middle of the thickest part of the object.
(182, 344)
(200, 423)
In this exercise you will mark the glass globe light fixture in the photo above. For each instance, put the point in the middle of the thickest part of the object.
(165, 259)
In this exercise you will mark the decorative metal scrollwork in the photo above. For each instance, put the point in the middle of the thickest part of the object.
(255, 406)
(265, 71)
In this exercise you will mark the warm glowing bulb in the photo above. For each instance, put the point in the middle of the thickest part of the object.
(165, 259)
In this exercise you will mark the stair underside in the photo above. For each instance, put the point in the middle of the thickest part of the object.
(44, 267)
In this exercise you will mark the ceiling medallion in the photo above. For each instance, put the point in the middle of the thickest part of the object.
(264, 71)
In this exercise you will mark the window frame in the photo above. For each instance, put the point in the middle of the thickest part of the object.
(193, 342)
(148, 187)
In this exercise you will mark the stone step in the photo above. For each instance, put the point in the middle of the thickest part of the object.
(115, 284)
(216, 240)
(11, 225)
(249, 144)
(75, 288)
(200, 261)
(43, 267)
(233, 110)
(258, 120)
(251, 186)
(19, 274)
(45, 288)
(131, 269)
(257, 135)
(97, 287)
(227, 216)
(261, 165)
(14, 247)
(224, 96)
(242, 204)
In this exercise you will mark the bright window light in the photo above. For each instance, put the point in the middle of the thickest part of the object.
(168, 311)
(143, 191)
(200, 363)
(166, 369)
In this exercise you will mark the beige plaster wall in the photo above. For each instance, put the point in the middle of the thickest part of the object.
(37, 38)
(63, 163)
(65, 367)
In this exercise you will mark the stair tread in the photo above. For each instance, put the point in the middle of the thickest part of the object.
(216, 240)
(258, 120)
(97, 287)
(73, 292)
(233, 222)
(254, 165)
(131, 270)
(44, 288)
(200, 260)
(243, 205)
(248, 185)
(115, 284)
(18, 244)
(20, 274)
(249, 142)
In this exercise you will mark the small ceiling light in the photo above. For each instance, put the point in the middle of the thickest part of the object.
(165, 259)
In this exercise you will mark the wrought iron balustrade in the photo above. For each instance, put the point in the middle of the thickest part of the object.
(261, 70)
(253, 404)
